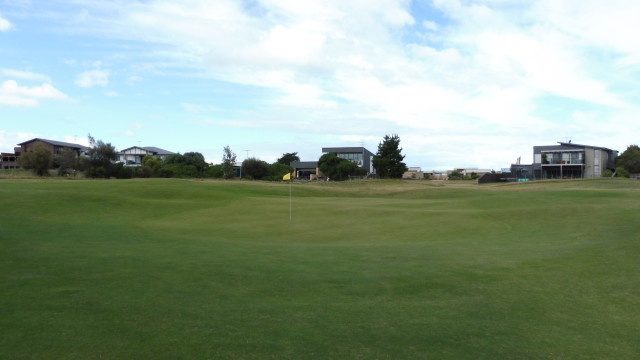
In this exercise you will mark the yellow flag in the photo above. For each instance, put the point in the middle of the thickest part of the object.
(287, 177)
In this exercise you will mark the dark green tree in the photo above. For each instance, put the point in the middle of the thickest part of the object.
(388, 160)
(630, 159)
(336, 168)
(196, 159)
(287, 158)
(100, 159)
(277, 170)
(255, 169)
(67, 161)
(174, 159)
(39, 160)
(228, 163)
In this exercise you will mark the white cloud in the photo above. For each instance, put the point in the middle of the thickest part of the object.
(9, 140)
(92, 78)
(25, 75)
(482, 75)
(5, 25)
(13, 94)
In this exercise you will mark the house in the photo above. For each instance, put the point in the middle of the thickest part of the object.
(568, 160)
(55, 147)
(359, 155)
(8, 161)
(133, 156)
(305, 169)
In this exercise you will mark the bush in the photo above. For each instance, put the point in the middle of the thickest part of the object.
(95, 172)
(253, 168)
(122, 172)
(622, 172)
(277, 170)
(214, 171)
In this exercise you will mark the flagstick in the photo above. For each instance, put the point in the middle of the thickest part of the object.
(290, 181)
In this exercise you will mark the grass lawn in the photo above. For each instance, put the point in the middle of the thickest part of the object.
(179, 269)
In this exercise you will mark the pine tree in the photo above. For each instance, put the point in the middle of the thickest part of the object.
(388, 160)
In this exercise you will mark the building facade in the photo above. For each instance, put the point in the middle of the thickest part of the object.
(568, 160)
(8, 161)
(359, 155)
(133, 156)
(55, 147)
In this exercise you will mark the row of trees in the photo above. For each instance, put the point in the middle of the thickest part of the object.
(100, 163)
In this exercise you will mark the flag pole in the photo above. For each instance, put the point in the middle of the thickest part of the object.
(290, 181)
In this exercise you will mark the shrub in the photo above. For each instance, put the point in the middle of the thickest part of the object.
(214, 171)
(622, 172)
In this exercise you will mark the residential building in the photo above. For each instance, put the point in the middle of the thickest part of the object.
(359, 155)
(133, 156)
(568, 160)
(8, 161)
(305, 169)
(55, 147)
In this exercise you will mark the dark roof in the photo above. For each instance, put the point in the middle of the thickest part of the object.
(304, 164)
(590, 146)
(152, 149)
(57, 143)
(348, 149)
(157, 150)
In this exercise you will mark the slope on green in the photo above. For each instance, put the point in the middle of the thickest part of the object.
(175, 269)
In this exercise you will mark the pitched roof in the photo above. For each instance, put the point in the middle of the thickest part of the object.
(580, 145)
(157, 150)
(152, 149)
(56, 143)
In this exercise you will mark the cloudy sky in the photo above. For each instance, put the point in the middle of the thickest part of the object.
(463, 83)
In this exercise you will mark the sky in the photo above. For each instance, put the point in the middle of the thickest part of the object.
(463, 83)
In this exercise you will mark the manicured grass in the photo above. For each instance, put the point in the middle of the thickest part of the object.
(178, 269)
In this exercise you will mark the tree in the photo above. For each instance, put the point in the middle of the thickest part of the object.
(388, 160)
(39, 160)
(254, 168)
(287, 158)
(277, 170)
(101, 158)
(67, 161)
(228, 163)
(630, 159)
(196, 159)
(336, 168)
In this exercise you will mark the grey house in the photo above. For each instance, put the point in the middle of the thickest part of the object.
(568, 160)
(359, 155)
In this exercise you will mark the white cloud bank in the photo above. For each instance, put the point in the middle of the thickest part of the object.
(458, 77)
(14, 94)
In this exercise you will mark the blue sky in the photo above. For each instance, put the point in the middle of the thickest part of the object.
(463, 83)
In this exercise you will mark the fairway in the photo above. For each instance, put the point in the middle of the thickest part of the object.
(183, 269)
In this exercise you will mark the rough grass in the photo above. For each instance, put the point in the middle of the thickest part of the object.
(175, 269)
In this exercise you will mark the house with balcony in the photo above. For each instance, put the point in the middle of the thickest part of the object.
(133, 156)
(569, 160)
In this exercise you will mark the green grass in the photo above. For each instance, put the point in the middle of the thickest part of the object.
(178, 269)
